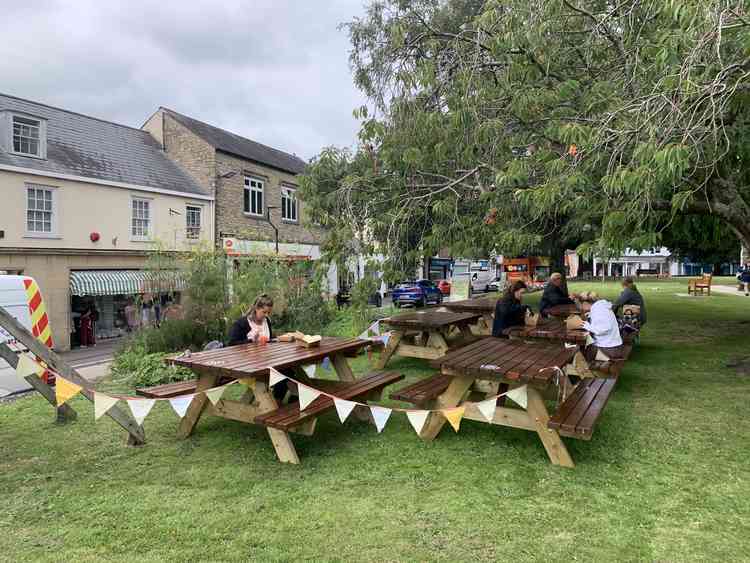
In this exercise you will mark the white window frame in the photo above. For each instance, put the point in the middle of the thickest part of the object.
(150, 235)
(247, 188)
(42, 141)
(193, 233)
(289, 197)
(53, 233)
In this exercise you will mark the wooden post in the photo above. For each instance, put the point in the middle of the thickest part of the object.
(451, 397)
(60, 366)
(197, 406)
(556, 450)
(393, 342)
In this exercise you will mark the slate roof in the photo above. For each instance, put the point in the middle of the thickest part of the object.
(80, 145)
(228, 142)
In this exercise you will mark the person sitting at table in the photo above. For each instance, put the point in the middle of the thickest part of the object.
(255, 324)
(509, 311)
(631, 296)
(554, 294)
(604, 330)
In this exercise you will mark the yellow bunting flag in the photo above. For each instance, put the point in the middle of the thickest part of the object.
(26, 366)
(454, 416)
(65, 390)
(249, 381)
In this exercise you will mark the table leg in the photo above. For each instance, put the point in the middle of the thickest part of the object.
(393, 342)
(282, 442)
(437, 340)
(451, 397)
(197, 406)
(556, 450)
(344, 373)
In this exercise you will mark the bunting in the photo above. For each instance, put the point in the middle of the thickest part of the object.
(326, 365)
(26, 367)
(487, 408)
(380, 415)
(454, 416)
(214, 395)
(343, 408)
(518, 396)
(306, 395)
(140, 408)
(274, 377)
(417, 419)
(310, 370)
(65, 390)
(181, 404)
(102, 403)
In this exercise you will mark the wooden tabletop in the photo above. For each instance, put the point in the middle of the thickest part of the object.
(479, 305)
(501, 359)
(560, 333)
(562, 310)
(430, 319)
(253, 360)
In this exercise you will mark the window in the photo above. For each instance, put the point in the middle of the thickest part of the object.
(289, 204)
(193, 218)
(140, 228)
(254, 196)
(39, 209)
(28, 137)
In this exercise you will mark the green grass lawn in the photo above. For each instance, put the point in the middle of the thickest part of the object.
(666, 476)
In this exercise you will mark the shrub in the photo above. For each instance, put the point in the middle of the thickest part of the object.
(142, 369)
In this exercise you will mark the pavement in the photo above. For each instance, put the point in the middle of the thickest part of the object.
(728, 290)
(93, 362)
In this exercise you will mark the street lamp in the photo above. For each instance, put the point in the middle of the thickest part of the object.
(275, 228)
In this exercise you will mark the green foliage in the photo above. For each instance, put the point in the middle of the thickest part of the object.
(137, 367)
(362, 313)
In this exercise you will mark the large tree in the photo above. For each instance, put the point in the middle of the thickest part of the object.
(531, 125)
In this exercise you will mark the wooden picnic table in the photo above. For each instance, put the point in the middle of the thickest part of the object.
(565, 311)
(550, 332)
(425, 334)
(252, 361)
(485, 306)
(495, 361)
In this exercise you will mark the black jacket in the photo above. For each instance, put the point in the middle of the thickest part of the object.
(508, 312)
(553, 295)
(631, 296)
(240, 329)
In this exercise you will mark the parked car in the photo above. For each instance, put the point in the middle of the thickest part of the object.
(497, 285)
(444, 286)
(418, 293)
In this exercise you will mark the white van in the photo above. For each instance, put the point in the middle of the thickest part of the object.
(19, 296)
(481, 275)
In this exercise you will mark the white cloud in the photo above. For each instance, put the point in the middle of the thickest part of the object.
(274, 71)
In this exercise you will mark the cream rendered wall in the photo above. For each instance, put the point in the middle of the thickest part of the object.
(82, 208)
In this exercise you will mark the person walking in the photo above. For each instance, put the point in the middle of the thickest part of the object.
(745, 278)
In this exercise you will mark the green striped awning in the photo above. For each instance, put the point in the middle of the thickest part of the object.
(123, 282)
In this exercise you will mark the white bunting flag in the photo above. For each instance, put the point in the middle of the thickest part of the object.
(102, 403)
(26, 366)
(181, 404)
(344, 408)
(274, 376)
(365, 335)
(380, 415)
(310, 370)
(306, 395)
(214, 395)
(140, 408)
(375, 328)
(487, 408)
(518, 395)
(417, 419)
(326, 365)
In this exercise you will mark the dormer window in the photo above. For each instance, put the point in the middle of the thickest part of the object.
(26, 135)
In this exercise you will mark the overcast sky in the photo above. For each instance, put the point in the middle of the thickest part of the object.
(273, 70)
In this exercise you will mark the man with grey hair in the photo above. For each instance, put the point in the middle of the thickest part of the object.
(554, 294)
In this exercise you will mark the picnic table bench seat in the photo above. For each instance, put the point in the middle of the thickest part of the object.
(577, 415)
(287, 417)
(612, 368)
(423, 391)
(169, 390)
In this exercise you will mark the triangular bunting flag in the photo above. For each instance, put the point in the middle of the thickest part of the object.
(380, 415)
(417, 419)
(181, 404)
(26, 366)
(214, 395)
(454, 416)
(310, 370)
(487, 408)
(326, 365)
(274, 376)
(102, 403)
(249, 381)
(385, 338)
(344, 408)
(375, 327)
(140, 408)
(306, 395)
(518, 395)
(365, 335)
(65, 390)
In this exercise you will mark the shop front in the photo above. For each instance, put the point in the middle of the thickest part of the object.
(111, 303)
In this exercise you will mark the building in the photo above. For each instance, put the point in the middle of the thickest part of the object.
(84, 200)
(258, 210)
(658, 261)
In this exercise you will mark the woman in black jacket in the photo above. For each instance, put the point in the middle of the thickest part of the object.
(255, 324)
(509, 310)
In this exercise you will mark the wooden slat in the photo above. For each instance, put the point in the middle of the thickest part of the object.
(168, 389)
(481, 305)
(585, 426)
(424, 390)
(430, 319)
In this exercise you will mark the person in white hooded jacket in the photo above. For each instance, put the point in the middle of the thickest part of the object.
(605, 332)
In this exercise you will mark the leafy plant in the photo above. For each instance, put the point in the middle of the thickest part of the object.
(142, 369)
